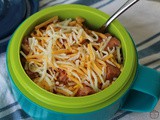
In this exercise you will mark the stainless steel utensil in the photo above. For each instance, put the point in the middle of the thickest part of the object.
(122, 9)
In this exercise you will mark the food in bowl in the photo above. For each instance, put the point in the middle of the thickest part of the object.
(66, 58)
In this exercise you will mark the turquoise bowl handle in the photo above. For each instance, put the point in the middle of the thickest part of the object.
(145, 92)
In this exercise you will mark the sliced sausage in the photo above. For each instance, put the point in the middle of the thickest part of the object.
(112, 71)
(32, 75)
(113, 43)
(85, 91)
(25, 46)
(62, 77)
(23, 60)
(107, 34)
(99, 40)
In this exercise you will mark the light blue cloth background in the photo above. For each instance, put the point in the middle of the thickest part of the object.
(143, 23)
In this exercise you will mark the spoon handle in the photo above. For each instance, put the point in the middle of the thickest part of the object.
(122, 9)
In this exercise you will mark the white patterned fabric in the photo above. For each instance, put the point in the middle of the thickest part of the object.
(143, 23)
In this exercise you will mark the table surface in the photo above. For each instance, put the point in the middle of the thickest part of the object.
(143, 23)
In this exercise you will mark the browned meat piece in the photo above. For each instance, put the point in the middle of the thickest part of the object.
(32, 75)
(113, 43)
(23, 60)
(85, 91)
(25, 46)
(107, 34)
(62, 78)
(112, 72)
(99, 40)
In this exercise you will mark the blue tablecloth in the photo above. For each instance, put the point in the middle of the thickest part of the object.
(143, 23)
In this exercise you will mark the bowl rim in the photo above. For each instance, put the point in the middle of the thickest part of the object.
(63, 103)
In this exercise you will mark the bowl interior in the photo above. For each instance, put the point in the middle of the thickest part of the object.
(94, 19)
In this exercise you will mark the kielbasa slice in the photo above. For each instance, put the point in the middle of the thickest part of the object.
(62, 78)
(112, 72)
(85, 91)
(25, 47)
(32, 75)
(113, 43)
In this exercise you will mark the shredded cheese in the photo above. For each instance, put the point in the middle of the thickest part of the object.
(69, 49)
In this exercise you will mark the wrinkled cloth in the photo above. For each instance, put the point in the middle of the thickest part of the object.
(143, 23)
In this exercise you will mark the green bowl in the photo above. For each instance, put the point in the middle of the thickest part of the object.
(63, 104)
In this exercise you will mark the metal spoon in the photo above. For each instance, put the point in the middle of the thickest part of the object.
(122, 9)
